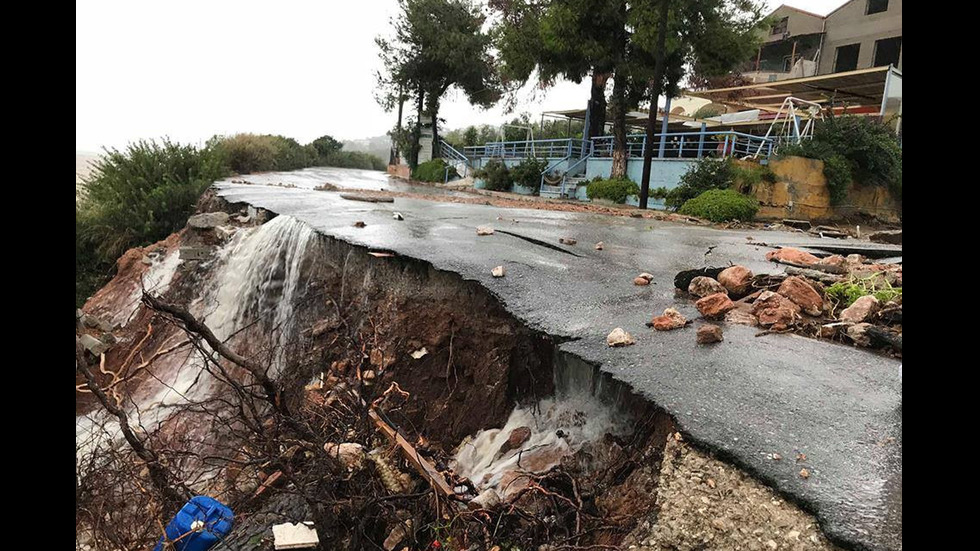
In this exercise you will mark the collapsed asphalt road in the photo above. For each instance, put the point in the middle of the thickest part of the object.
(746, 398)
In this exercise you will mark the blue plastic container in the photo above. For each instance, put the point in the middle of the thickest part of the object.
(204, 520)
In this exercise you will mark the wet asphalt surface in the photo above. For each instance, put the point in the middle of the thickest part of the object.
(744, 398)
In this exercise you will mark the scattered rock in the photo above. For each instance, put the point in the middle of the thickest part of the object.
(861, 311)
(350, 454)
(359, 224)
(741, 317)
(418, 354)
(893, 237)
(803, 474)
(484, 230)
(194, 253)
(646, 276)
(567, 241)
(683, 278)
(397, 216)
(775, 457)
(775, 311)
(703, 286)
(709, 333)
(833, 260)
(803, 294)
(208, 220)
(368, 377)
(671, 319)
(831, 330)
(598, 246)
(93, 345)
(859, 334)
(891, 312)
(714, 306)
(791, 255)
(497, 272)
(366, 198)
(641, 281)
(515, 440)
(737, 279)
(618, 337)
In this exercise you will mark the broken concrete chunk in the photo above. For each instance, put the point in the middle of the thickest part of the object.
(93, 345)
(295, 536)
(484, 230)
(893, 237)
(703, 286)
(497, 272)
(709, 333)
(803, 294)
(737, 279)
(359, 224)
(619, 337)
(397, 216)
(598, 246)
(715, 305)
(862, 309)
(208, 220)
(671, 319)
(567, 241)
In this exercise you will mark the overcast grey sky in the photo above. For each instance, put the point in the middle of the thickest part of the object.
(189, 69)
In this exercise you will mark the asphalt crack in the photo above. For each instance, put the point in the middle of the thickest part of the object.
(539, 242)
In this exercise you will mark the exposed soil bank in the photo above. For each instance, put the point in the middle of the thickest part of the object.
(464, 362)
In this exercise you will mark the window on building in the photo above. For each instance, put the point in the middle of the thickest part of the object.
(780, 27)
(876, 6)
(847, 58)
(887, 51)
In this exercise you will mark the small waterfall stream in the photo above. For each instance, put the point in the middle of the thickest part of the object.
(585, 408)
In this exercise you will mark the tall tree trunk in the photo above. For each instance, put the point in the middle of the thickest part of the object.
(620, 155)
(432, 109)
(655, 89)
(597, 105)
(413, 154)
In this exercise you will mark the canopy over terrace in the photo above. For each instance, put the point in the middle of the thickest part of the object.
(636, 119)
(876, 91)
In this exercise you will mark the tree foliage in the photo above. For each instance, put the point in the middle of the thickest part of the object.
(437, 45)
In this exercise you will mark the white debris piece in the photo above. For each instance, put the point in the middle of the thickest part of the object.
(418, 354)
(398, 216)
(295, 536)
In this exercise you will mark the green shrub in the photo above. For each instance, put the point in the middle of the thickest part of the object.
(246, 153)
(528, 173)
(837, 172)
(721, 205)
(867, 145)
(613, 189)
(354, 159)
(290, 155)
(844, 293)
(134, 198)
(659, 193)
(495, 175)
(433, 171)
(704, 175)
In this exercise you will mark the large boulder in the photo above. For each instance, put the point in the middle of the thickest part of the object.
(737, 279)
(703, 286)
(208, 220)
(714, 306)
(775, 311)
(861, 311)
(803, 294)
(792, 256)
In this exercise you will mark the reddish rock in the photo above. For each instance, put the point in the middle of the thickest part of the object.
(803, 294)
(737, 279)
(703, 286)
(641, 281)
(833, 260)
(515, 440)
(775, 311)
(741, 317)
(714, 306)
(791, 255)
(709, 333)
(671, 319)
(861, 311)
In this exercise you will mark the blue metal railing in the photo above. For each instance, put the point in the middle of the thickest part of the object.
(541, 149)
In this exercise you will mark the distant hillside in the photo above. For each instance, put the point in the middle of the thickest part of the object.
(379, 146)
